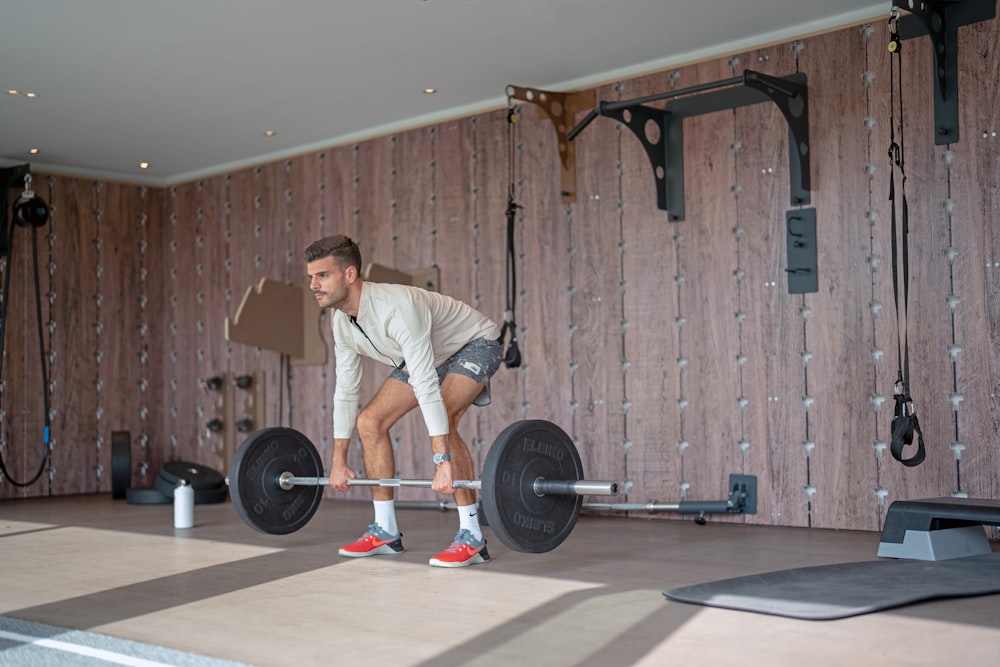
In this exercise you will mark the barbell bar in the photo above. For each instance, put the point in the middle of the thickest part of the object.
(531, 486)
(540, 486)
(742, 500)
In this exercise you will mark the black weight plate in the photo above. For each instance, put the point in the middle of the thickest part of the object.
(198, 476)
(121, 463)
(254, 474)
(211, 496)
(522, 453)
(145, 497)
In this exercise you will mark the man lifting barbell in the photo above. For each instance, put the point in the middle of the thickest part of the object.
(443, 353)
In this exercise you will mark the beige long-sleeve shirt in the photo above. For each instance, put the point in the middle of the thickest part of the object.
(406, 327)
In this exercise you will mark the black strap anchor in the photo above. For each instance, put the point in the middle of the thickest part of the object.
(904, 422)
(512, 356)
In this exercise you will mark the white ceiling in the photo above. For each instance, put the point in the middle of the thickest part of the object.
(190, 86)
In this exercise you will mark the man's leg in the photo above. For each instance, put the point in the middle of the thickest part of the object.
(458, 392)
(393, 400)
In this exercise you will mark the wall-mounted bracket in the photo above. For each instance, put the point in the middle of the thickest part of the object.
(665, 147)
(561, 108)
(800, 249)
(941, 20)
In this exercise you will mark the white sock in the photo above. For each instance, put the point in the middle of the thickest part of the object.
(385, 515)
(468, 519)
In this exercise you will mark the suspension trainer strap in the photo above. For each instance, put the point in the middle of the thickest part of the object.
(41, 340)
(905, 426)
(512, 357)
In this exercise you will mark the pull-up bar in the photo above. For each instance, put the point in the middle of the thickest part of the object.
(604, 107)
(666, 153)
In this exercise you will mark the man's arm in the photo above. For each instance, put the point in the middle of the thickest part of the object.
(340, 472)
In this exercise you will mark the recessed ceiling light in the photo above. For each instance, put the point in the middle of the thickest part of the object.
(31, 95)
(13, 91)
(33, 151)
(143, 165)
(430, 91)
(269, 133)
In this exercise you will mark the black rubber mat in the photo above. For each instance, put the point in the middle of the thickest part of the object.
(27, 644)
(847, 589)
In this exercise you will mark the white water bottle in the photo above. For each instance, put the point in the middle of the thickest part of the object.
(183, 505)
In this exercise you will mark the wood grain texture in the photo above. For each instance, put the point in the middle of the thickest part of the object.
(651, 428)
(488, 235)
(148, 442)
(412, 228)
(496, 153)
(928, 318)
(764, 315)
(839, 373)
(544, 304)
(597, 377)
(975, 174)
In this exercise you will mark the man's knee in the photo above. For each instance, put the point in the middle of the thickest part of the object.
(370, 426)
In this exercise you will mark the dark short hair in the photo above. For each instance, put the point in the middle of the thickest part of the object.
(343, 250)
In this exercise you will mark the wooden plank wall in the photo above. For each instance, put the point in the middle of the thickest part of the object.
(671, 352)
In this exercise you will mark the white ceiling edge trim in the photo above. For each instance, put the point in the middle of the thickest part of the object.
(800, 31)
(86, 173)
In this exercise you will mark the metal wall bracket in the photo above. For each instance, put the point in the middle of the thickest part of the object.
(941, 20)
(665, 147)
(800, 248)
(561, 108)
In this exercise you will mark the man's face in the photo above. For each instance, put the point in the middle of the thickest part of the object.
(329, 282)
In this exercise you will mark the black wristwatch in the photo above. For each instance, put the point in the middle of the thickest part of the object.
(441, 458)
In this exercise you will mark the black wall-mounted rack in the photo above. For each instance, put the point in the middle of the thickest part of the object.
(666, 152)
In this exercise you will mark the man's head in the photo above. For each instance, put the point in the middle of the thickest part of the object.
(334, 267)
(343, 250)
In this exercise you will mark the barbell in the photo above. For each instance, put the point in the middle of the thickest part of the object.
(531, 489)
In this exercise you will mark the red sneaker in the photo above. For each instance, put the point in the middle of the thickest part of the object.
(375, 541)
(465, 550)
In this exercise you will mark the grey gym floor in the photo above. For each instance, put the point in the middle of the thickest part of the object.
(225, 591)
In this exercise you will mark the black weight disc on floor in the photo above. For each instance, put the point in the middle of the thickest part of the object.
(201, 478)
(121, 463)
(524, 452)
(135, 496)
(211, 496)
(253, 480)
